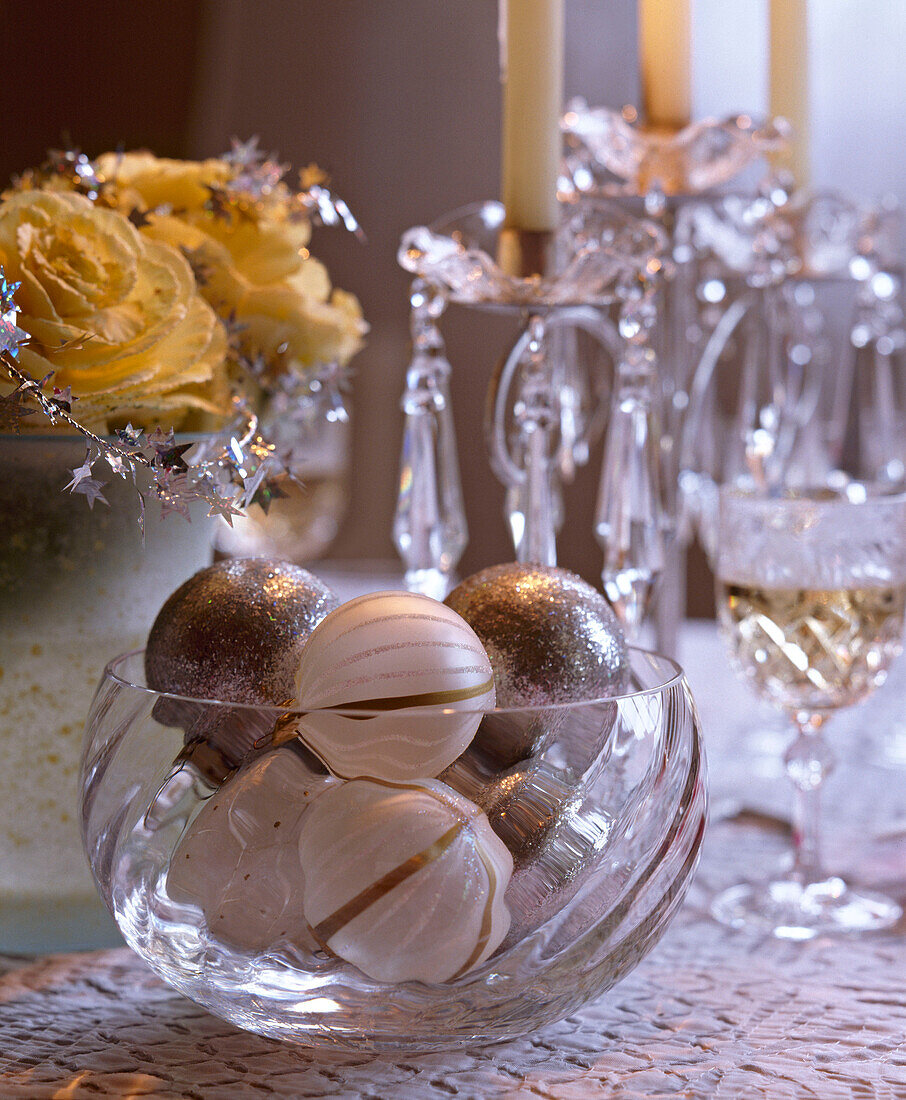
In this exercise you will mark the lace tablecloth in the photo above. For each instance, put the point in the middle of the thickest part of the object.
(709, 1013)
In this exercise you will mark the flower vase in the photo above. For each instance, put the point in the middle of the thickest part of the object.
(76, 585)
(310, 426)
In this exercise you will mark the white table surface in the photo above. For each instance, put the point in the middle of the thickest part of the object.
(710, 1012)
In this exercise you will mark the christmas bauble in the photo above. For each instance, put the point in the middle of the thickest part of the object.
(523, 803)
(405, 881)
(218, 738)
(235, 631)
(411, 662)
(556, 855)
(547, 824)
(238, 860)
(551, 637)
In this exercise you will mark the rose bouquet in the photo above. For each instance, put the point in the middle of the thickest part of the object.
(163, 294)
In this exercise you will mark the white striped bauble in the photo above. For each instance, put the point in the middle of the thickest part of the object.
(413, 669)
(238, 860)
(406, 881)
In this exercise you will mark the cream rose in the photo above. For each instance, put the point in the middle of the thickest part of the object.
(158, 181)
(254, 264)
(112, 313)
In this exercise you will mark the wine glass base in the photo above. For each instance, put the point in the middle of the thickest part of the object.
(792, 910)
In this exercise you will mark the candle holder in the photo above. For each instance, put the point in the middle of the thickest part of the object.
(597, 273)
(608, 153)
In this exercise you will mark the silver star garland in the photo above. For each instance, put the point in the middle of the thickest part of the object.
(237, 467)
(216, 470)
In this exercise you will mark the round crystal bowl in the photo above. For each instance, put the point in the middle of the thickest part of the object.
(602, 804)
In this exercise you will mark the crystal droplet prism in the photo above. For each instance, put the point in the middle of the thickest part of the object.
(629, 520)
(535, 416)
(429, 528)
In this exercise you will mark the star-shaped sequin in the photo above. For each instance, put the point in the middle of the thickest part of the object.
(7, 293)
(139, 218)
(266, 494)
(244, 153)
(218, 203)
(167, 452)
(221, 506)
(80, 473)
(11, 336)
(170, 502)
(13, 409)
(63, 398)
(91, 488)
(171, 459)
(132, 437)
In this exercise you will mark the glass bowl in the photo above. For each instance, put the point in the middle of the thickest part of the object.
(603, 805)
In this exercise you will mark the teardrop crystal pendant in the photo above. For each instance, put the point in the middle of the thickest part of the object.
(535, 417)
(429, 527)
(629, 518)
(878, 401)
(516, 504)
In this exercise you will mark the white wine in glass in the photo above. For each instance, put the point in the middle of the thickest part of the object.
(812, 648)
(811, 599)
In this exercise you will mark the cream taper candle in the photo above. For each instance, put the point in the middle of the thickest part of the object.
(788, 80)
(532, 63)
(665, 63)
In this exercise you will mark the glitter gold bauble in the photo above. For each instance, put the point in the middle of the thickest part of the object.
(404, 880)
(218, 738)
(414, 664)
(551, 639)
(524, 804)
(552, 831)
(235, 632)
(560, 865)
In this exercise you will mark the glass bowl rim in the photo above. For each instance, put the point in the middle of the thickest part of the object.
(676, 678)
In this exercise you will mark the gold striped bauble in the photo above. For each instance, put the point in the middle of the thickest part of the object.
(238, 860)
(412, 676)
(406, 881)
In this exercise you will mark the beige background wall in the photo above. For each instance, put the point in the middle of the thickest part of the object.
(400, 101)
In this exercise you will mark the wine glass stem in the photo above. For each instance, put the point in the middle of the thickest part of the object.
(808, 762)
(806, 835)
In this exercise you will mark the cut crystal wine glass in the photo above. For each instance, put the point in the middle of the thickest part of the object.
(811, 592)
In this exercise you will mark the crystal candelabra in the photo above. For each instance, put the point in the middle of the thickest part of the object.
(677, 253)
(758, 274)
(675, 179)
(599, 274)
